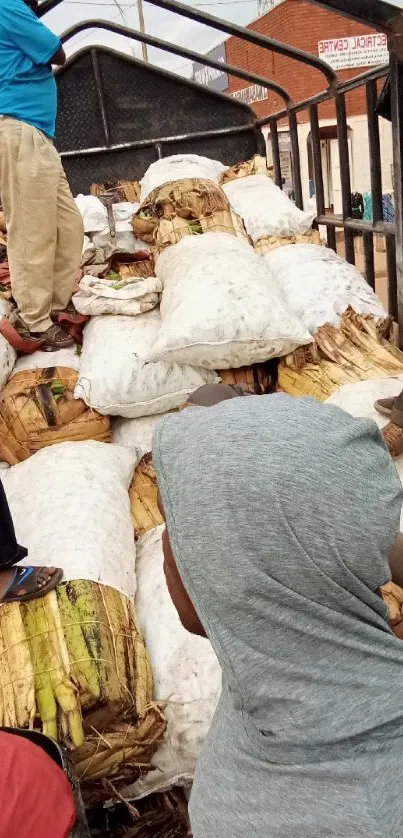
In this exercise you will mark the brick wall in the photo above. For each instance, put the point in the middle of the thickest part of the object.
(300, 24)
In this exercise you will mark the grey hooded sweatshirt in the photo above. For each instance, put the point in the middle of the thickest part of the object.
(281, 514)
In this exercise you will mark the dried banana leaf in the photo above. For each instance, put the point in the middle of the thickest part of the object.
(187, 198)
(121, 190)
(142, 268)
(170, 232)
(256, 166)
(143, 228)
(156, 816)
(268, 243)
(143, 498)
(38, 409)
(259, 378)
(354, 352)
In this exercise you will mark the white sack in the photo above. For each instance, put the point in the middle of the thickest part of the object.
(105, 296)
(187, 675)
(95, 220)
(136, 434)
(265, 209)
(117, 379)
(220, 307)
(8, 355)
(43, 360)
(88, 251)
(124, 211)
(71, 509)
(95, 215)
(124, 240)
(318, 285)
(177, 167)
(358, 399)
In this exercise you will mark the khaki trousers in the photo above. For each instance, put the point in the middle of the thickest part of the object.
(44, 226)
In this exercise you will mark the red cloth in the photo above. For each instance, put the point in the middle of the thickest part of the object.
(36, 800)
(5, 274)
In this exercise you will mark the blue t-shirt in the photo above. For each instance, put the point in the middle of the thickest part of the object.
(27, 84)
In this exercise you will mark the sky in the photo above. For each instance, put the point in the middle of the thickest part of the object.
(158, 22)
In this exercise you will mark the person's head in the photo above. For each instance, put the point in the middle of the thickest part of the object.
(267, 488)
(207, 396)
(212, 394)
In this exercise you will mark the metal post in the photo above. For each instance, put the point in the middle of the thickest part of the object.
(296, 161)
(342, 133)
(374, 151)
(278, 180)
(317, 160)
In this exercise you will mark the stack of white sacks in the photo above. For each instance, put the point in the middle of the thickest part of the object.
(214, 303)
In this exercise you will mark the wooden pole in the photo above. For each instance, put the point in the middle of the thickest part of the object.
(142, 28)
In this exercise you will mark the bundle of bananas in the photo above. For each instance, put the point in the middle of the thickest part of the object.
(74, 665)
(38, 408)
(186, 207)
(356, 351)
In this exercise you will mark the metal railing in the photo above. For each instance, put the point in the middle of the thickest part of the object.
(377, 14)
(345, 222)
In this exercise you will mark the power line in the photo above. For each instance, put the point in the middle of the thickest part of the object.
(89, 32)
(127, 8)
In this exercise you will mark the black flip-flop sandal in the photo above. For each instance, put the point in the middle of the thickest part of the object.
(19, 580)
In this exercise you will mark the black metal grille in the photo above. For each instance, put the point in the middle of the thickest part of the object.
(345, 222)
(117, 115)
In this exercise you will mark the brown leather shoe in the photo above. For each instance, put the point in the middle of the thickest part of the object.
(393, 436)
(384, 406)
(54, 338)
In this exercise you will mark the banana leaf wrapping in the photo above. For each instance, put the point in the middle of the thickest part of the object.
(267, 243)
(185, 207)
(143, 498)
(256, 166)
(356, 351)
(168, 233)
(74, 665)
(259, 378)
(37, 409)
(155, 816)
(121, 190)
(142, 268)
(3, 228)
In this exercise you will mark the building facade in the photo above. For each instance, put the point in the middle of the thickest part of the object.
(351, 49)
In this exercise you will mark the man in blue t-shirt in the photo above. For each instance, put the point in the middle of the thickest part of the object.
(44, 227)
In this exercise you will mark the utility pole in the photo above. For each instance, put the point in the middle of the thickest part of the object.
(142, 29)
